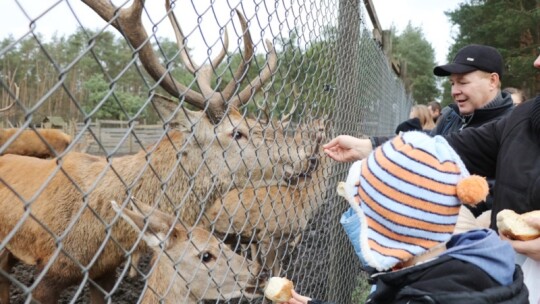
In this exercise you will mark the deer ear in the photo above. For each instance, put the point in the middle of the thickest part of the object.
(165, 106)
(178, 234)
(153, 213)
(156, 225)
(184, 119)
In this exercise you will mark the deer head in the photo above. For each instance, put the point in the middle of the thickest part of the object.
(218, 122)
(189, 264)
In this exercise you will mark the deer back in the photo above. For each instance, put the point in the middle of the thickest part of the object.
(43, 143)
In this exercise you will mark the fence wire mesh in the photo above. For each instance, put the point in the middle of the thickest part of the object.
(171, 152)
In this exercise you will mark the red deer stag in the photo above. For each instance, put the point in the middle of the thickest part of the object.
(271, 217)
(59, 220)
(189, 265)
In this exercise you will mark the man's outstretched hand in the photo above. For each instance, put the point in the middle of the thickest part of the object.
(345, 148)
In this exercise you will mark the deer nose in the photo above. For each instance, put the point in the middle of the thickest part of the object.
(264, 275)
(313, 163)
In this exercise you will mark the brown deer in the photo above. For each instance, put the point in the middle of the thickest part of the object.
(271, 217)
(60, 219)
(42, 143)
(189, 265)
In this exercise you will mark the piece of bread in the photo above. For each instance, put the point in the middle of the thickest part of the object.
(513, 225)
(278, 289)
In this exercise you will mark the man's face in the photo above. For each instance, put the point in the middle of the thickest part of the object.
(473, 90)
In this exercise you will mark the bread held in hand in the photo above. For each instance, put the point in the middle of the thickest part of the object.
(514, 226)
(278, 289)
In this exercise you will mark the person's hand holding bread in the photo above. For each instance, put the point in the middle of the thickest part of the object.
(522, 231)
(281, 290)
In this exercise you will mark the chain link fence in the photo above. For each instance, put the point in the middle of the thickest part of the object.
(186, 164)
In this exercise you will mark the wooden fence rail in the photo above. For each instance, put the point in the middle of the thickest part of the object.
(110, 134)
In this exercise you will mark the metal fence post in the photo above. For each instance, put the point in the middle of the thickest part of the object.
(347, 97)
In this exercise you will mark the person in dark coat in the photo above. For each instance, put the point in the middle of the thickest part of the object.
(411, 124)
(475, 76)
(507, 149)
(420, 119)
(405, 198)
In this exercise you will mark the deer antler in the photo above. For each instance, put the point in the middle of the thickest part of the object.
(204, 73)
(255, 85)
(266, 110)
(128, 22)
(264, 107)
(16, 92)
(8, 107)
(287, 117)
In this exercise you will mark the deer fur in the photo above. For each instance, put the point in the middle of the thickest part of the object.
(193, 165)
(272, 216)
(28, 142)
(58, 219)
(190, 265)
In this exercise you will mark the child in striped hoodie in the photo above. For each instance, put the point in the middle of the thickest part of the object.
(405, 199)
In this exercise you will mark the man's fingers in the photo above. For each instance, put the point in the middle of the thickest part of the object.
(331, 143)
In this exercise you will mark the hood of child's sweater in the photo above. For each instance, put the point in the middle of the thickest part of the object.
(486, 250)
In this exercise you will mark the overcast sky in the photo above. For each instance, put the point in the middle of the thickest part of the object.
(56, 16)
(266, 19)
(427, 14)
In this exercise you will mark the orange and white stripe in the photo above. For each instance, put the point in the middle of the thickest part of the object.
(407, 195)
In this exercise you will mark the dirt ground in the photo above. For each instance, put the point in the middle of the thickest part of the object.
(128, 291)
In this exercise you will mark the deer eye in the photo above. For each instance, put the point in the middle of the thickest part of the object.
(207, 257)
(237, 135)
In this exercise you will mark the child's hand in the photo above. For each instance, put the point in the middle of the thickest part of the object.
(297, 299)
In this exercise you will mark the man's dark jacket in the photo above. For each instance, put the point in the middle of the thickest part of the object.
(452, 122)
(412, 124)
(509, 151)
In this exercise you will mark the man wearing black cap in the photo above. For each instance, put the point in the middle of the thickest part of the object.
(475, 76)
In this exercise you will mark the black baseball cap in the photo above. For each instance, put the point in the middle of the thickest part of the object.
(471, 58)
